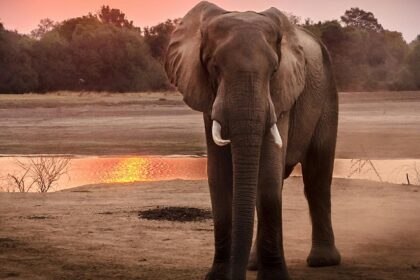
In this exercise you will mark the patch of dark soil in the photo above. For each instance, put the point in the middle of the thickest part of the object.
(38, 217)
(11, 274)
(203, 229)
(177, 214)
(106, 213)
(8, 243)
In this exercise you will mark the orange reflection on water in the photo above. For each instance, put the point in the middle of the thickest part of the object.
(129, 170)
(136, 169)
(97, 170)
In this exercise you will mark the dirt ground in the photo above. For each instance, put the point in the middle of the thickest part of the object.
(94, 232)
(379, 125)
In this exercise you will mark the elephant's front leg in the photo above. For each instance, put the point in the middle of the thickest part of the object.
(219, 169)
(270, 254)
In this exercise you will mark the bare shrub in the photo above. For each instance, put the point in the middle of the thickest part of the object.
(19, 180)
(6, 187)
(39, 172)
(46, 171)
(363, 166)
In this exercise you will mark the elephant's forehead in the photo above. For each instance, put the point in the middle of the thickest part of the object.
(241, 20)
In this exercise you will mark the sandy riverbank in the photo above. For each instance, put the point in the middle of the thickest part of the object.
(94, 232)
(378, 125)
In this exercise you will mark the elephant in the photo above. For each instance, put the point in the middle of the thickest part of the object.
(269, 101)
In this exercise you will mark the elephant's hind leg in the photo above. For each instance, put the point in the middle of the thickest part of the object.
(317, 171)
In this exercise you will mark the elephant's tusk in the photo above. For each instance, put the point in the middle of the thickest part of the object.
(276, 134)
(217, 134)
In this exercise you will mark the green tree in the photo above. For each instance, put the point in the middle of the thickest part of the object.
(67, 27)
(413, 63)
(157, 38)
(365, 56)
(294, 19)
(54, 63)
(116, 59)
(361, 19)
(44, 26)
(17, 74)
(115, 17)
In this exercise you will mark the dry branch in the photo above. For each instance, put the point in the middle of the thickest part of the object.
(42, 172)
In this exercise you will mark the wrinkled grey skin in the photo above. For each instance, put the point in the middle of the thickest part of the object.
(249, 71)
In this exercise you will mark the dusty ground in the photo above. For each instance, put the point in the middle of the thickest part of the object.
(371, 125)
(95, 233)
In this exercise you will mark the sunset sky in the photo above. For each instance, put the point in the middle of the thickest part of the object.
(24, 15)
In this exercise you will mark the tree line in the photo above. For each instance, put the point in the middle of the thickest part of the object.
(106, 52)
(365, 56)
(96, 52)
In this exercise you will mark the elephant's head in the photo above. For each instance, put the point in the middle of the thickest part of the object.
(245, 70)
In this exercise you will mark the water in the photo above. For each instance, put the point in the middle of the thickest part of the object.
(99, 170)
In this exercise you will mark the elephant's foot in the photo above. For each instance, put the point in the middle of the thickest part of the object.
(273, 274)
(325, 255)
(219, 272)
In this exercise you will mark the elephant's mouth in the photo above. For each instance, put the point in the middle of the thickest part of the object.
(218, 140)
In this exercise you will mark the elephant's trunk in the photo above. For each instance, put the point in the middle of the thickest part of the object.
(245, 155)
(248, 122)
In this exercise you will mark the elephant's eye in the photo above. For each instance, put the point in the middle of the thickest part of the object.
(274, 71)
(215, 70)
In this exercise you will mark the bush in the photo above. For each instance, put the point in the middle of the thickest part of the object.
(16, 72)
(79, 54)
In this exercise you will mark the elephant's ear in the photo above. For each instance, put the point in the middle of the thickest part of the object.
(289, 80)
(183, 64)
